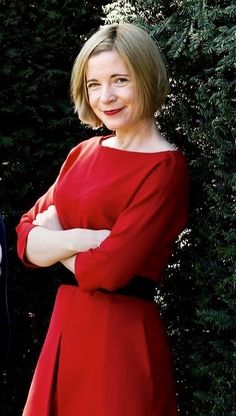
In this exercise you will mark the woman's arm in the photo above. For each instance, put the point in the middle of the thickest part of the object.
(29, 221)
(46, 247)
(69, 263)
(48, 243)
(143, 235)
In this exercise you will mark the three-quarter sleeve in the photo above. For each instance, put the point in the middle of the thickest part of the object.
(25, 225)
(146, 229)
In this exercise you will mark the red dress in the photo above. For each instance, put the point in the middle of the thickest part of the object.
(107, 354)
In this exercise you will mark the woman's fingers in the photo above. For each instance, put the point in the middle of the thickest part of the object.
(48, 219)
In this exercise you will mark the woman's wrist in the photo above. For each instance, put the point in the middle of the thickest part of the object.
(83, 239)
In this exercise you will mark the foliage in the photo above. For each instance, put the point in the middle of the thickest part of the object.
(198, 295)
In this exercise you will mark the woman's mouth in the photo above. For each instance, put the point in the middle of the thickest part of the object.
(112, 112)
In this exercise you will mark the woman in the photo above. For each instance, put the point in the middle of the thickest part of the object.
(112, 218)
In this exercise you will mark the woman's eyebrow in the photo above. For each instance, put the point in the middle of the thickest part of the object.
(91, 80)
(119, 75)
(112, 76)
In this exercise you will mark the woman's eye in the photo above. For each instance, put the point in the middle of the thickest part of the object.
(92, 85)
(121, 80)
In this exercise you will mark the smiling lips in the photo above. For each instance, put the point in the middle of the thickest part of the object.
(112, 112)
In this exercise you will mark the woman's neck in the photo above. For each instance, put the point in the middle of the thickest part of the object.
(143, 137)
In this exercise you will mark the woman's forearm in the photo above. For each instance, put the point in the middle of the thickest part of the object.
(69, 263)
(46, 247)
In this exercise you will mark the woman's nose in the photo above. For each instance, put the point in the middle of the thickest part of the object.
(107, 94)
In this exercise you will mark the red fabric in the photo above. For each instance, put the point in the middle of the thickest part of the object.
(107, 354)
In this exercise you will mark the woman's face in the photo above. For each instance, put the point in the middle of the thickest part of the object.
(112, 91)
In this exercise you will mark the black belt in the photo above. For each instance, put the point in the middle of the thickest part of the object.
(138, 287)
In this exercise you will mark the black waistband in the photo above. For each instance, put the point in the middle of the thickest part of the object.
(139, 287)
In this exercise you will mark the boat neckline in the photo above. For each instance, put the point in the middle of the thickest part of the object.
(115, 149)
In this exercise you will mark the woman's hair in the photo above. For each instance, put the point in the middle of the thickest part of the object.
(141, 55)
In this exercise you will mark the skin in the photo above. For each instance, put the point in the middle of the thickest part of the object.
(112, 92)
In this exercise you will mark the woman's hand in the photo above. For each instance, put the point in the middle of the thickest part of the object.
(49, 219)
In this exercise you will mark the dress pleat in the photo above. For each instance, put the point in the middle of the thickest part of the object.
(43, 381)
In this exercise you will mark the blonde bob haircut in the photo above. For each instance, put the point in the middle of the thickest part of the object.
(142, 57)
